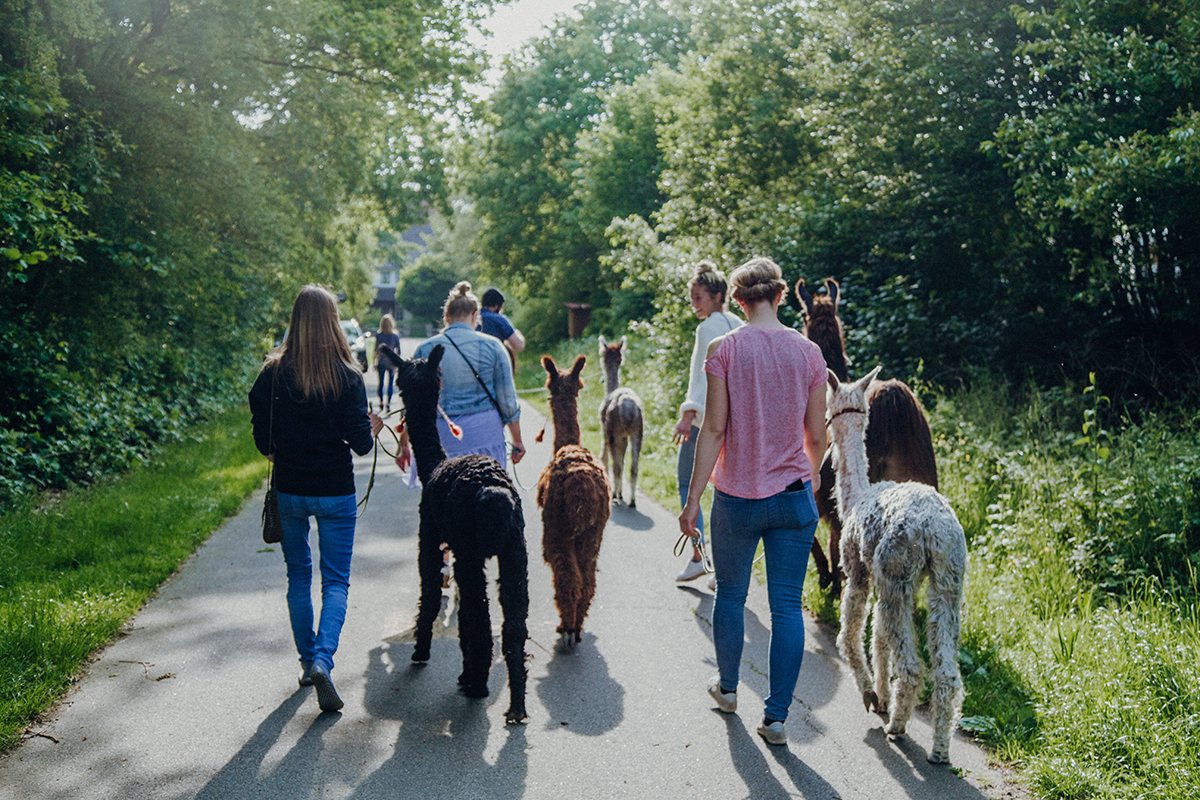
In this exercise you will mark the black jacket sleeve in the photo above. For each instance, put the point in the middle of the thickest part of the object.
(355, 424)
(260, 410)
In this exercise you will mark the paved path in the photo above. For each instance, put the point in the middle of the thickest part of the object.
(198, 697)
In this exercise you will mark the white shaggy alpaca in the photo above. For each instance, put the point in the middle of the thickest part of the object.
(895, 535)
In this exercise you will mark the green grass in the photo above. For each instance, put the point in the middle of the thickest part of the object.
(73, 571)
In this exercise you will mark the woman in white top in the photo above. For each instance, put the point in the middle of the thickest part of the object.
(707, 291)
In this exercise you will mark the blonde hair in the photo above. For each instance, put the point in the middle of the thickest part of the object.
(461, 302)
(315, 347)
(757, 280)
(387, 324)
(709, 278)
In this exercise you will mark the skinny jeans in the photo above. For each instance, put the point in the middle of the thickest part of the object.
(390, 374)
(335, 518)
(683, 474)
(785, 523)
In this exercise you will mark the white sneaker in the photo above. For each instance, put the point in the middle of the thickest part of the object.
(712, 582)
(773, 733)
(726, 701)
(693, 570)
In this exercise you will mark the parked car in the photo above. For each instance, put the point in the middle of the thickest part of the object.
(357, 341)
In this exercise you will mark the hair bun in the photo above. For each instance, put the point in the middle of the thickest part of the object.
(462, 288)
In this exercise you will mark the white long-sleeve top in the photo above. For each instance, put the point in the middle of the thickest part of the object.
(716, 325)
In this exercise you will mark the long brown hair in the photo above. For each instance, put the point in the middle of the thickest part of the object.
(315, 347)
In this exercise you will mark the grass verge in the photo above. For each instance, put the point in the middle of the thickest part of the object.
(74, 570)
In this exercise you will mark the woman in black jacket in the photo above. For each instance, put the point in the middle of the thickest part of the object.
(307, 426)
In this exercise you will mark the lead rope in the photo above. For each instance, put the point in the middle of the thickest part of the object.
(395, 432)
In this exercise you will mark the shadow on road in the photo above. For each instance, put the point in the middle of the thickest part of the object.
(578, 692)
(751, 765)
(292, 777)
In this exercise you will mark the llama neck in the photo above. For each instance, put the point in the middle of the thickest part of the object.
(849, 434)
(612, 376)
(426, 444)
(566, 422)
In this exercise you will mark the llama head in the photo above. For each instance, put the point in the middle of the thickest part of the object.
(821, 306)
(842, 397)
(613, 354)
(562, 382)
(418, 381)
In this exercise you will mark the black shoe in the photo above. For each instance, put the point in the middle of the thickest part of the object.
(327, 696)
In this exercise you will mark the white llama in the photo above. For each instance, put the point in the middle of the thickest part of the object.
(620, 421)
(895, 535)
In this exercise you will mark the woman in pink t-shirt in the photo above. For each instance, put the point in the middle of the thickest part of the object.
(764, 428)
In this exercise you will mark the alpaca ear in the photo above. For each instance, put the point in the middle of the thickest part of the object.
(603, 345)
(578, 368)
(832, 380)
(435, 355)
(865, 380)
(548, 365)
(831, 286)
(624, 344)
(803, 296)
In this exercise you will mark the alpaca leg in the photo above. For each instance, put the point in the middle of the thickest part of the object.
(474, 625)
(854, 612)
(894, 621)
(514, 601)
(429, 565)
(635, 452)
(618, 465)
(942, 632)
(587, 575)
(881, 661)
(567, 587)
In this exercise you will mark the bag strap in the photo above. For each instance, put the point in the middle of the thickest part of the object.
(473, 372)
(271, 427)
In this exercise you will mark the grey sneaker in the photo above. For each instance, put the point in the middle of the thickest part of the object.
(327, 696)
(305, 678)
(773, 733)
(726, 701)
(693, 570)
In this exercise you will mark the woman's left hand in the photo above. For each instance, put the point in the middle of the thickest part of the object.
(687, 520)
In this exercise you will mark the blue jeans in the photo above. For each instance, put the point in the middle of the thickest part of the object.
(683, 474)
(786, 523)
(390, 374)
(335, 526)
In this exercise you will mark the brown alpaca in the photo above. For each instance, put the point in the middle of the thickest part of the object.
(573, 495)
(899, 443)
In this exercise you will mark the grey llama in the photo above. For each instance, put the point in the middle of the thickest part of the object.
(895, 535)
(620, 421)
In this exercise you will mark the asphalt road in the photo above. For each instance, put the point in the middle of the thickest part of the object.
(198, 696)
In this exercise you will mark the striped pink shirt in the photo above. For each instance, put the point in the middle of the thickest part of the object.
(769, 374)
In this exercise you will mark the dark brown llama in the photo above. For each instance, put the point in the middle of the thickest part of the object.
(468, 504)
(620, 421)
(573, 495)
(899, 442)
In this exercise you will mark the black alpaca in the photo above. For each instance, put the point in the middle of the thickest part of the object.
(469, 504)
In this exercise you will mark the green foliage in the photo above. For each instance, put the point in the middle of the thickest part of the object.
(75, 569)
(170, 175)
(543, 228)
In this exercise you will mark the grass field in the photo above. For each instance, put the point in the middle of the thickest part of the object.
(75, 569)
